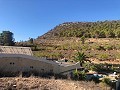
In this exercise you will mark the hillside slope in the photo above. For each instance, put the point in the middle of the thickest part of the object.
(103, 50)
(100, 29)
(101, 41)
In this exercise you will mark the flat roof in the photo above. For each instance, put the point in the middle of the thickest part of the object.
(16, 50)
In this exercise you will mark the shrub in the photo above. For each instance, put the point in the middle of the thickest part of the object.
(103, 56)
(109, 47)
(82, 75)
(100, 48)
(106, 81)
(79, 75)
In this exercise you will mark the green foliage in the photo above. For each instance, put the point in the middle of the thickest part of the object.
(106, 81)
(118, 33)
(103, 56)
(6, 38)
(100, 48)
(109, 47)
(31, 40)
(100, 29)
(102, 34)
(110, 34)
(79, 75)
(102, 68)
(83, 39)
(117, 56)
(34, 48)
(56, 55)
(76, 75)
(87, 65)
(80, 57)
(82, 75)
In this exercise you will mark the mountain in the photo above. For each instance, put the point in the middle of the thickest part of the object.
(99, 29)
(101, 41)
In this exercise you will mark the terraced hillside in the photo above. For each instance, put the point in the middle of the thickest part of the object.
(100, 41)
(103, 49)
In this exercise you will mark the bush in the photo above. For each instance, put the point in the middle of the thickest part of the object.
(109, 47)
(102, 68)
(106, 81)
(103, 56)
(100, 48)
(79, 75)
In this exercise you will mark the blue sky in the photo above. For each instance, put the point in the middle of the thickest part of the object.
(32, 18)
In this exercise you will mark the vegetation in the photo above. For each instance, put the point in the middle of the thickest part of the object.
(106, 81)
(80, 57)
(104, 68)
(83, 39)
(79, 75)
(67, 38)
(36, 83)
(98, 40)
(99, 29)
(60, 45)
(6, 38)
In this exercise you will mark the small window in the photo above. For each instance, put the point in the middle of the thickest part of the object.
(66, 60)
(12, 63)
(31, 67)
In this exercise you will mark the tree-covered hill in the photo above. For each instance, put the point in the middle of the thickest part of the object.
(99, 29)
(100, 41)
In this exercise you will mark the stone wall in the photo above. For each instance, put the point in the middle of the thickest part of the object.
(16, 50)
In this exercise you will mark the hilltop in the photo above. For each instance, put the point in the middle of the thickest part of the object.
(99, 29)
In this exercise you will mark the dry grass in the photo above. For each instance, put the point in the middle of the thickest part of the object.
(32, 83)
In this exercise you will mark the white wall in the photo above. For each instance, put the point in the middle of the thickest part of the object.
(19, 62)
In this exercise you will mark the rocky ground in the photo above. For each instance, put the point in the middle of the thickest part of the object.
(34, 83)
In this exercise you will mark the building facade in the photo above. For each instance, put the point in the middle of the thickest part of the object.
(21, 59)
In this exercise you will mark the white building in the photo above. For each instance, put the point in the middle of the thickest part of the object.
(21, 59)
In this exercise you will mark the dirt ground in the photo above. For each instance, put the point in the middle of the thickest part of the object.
(94, 60)
(34, 83)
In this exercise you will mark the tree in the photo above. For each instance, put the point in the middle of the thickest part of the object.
(102, 34)
(83, 39)
(31, 40)
(80, 57)
(97, 32)
(118, 33)
(110, 34)
(1, 39)
(6, 38)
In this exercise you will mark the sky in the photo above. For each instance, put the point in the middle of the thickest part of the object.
(32, 18)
